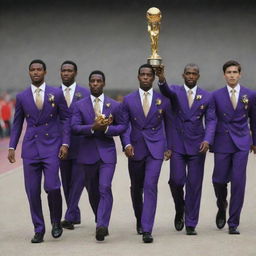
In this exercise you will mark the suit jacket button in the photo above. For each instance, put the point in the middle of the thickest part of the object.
(226, 131)
(153, 128)
(135, 118)
(46, 124)
(36, 136)
(51, 115)
(27, 115)
(224, 114)
(46, 134)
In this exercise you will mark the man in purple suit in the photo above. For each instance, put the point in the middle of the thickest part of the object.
(46, 112)
(191, 132)
(97, 119)
(72, 93)
(235, 104)
(145, 146)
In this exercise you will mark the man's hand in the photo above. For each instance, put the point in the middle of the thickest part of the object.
(63, 153)
(129, 151)
(160, 73)
(99, 126)
(167, 154)
(11, 156)
(253, 149)
(204, 147)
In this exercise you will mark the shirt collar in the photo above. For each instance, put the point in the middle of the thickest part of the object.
(150, 92)
(193, 89)
(101, 98)
(72, 86)
(42, 87)
(237, 88)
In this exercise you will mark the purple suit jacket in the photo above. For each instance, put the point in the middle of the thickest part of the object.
(43, 136)
(232, 131)
(187, 130)
(146, 134)
(80, 93)
(98, 145)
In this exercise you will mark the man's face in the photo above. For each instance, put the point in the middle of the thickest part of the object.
(96, 85)
(37, 73)
(191, 76)
(68, 74)
(146, 78)
(232, 76)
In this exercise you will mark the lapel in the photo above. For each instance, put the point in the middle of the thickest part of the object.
(153, 107)
(106, 110)
(240, 104)
(183, 100)
(196, 101)
(89, 109)
(75, 97)
(227, 102)
(31, 102)
(138, 107)
(47, 106)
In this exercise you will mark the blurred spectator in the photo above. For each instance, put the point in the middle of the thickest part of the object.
(6, 110)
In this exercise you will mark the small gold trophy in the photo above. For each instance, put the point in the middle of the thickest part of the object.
(154, 17)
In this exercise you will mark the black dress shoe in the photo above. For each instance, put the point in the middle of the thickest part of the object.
(101, 232)
(38, 238)
(191, 231)
(56, 230)
(179, 222)
(221, 219)
(76, 222)
(147, 237)
(139, 228)
(67, 224)
(233, 231)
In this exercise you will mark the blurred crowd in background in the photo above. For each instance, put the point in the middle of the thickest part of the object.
(7, 104)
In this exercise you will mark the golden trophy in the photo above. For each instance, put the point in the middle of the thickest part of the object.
(154, 17)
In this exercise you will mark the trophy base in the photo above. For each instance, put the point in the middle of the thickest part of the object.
(155, 62)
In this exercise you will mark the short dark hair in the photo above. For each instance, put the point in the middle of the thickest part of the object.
(97, 72)
(231, 63)
(70, 62)
(191, 65)
(146, 66)
(39, 62)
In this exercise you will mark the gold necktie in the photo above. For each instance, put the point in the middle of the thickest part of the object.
(190, 98)
(39, 102)
(67, 96)
(97, 106)
(145, 103)
(233, 98)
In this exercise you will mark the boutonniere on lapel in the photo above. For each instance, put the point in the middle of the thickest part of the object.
(108, 105)
(51, 99)
(158, 102)
(202, 107)
(245, 100)
(199, 97)
(78, 95)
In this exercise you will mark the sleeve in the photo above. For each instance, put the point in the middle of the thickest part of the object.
(17, 124)
(210, 121)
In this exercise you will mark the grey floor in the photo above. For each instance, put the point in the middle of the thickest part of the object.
(16, 228)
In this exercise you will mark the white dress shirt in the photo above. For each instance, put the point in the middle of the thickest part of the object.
(101, 101)
(150, 96)
(193, 91)
(237, 88)
(42, 91)
(72, 89)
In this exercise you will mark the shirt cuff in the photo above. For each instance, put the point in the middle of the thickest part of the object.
(65, 145)
(127, 146)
